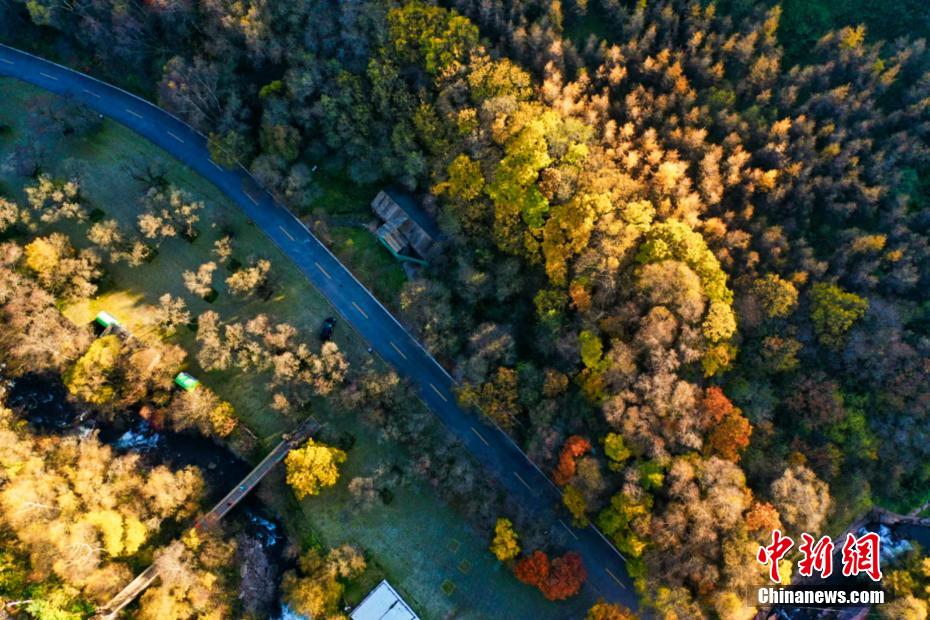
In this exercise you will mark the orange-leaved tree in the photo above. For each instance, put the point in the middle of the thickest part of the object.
(533, 569)
(575, 446)
(558, 579)
(728, 431)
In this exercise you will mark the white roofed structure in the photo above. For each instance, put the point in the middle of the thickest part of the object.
(383, 603)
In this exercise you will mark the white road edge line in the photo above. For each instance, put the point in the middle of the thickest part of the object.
(51, 77)
(523, 481)
(614, 577)
(284, 230)
(480, 437)
(134, 113)
(320, 267)
(401, 353)
(435, 389)
(359, 308)
(609, 544)
(176, 137)
(574, 535)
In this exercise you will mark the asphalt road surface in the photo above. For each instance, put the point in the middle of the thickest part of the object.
(607, 577)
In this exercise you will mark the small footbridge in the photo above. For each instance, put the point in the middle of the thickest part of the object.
(221, 509)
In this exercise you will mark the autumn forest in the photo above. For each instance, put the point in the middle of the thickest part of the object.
(685, 263)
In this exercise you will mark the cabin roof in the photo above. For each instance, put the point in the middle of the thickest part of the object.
(413, 210)
(383, 603)
(405, 224)
(390, 234)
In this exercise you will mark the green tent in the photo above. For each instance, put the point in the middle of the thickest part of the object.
(105, 320)
(186, 381)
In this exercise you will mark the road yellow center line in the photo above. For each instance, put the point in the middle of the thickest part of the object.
(9, 62)
(51, 77)
(250, 197)
(91, 93)
(136, 114)
(175, 137)
(325, 273)
(284, 230)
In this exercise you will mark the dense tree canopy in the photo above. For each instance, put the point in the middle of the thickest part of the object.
(706, 262)
(79, 511)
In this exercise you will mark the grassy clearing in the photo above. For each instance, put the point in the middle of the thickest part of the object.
(100, 161)
(345, 208)
(406, 541)
(370, 260)
(415, 535)
(579, 27)
(340, 196)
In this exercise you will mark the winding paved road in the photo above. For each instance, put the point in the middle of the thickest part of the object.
(607, 577)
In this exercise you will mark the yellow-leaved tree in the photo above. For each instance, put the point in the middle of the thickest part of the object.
(313, 467)
(90, 379)
(505, 546)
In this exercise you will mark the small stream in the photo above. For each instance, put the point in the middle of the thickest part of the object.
(910, 532)
(43, 401)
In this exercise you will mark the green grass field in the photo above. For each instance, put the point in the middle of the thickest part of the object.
(100, 162)
(370, 261)
(579, 27)
(407, 541)
(345, 209)
(340, 196)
